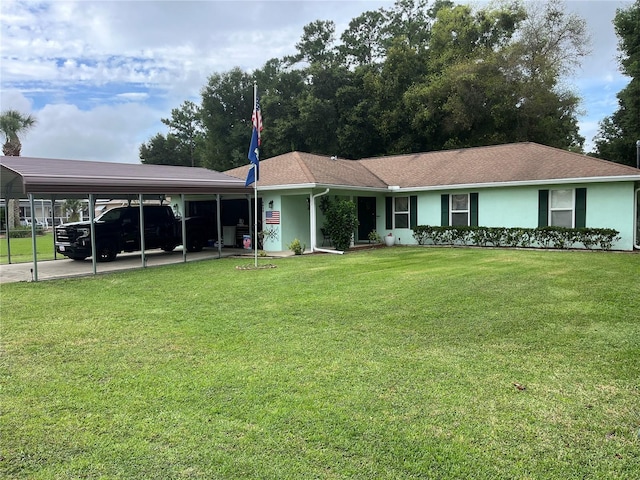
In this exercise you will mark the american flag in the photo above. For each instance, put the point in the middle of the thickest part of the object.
(273, 217)
(256, 118)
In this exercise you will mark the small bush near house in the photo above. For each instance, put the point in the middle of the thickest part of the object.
(296, 247)
(545, 237)
(341, 222)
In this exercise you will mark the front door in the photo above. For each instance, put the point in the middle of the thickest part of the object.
(366, 217)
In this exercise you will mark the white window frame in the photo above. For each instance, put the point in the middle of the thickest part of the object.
(466, 211)
(571, 209)
(401, 212)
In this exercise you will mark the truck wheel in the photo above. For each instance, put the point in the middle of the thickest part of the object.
(195, 245)
(106, 252)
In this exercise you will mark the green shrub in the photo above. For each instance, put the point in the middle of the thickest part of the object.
(24, 232)
(341, 222)
(544, 237)
(296, 247)
(374, 237)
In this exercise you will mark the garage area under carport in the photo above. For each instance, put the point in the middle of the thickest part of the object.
(56, 179)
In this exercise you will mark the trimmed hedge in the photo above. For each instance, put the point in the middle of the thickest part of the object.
(545, 237)
(24, 232)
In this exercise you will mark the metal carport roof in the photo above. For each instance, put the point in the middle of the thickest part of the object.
(21, 176)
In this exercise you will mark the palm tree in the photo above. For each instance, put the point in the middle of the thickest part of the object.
(12, 125)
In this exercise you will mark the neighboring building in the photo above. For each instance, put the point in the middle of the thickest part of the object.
(514, 185)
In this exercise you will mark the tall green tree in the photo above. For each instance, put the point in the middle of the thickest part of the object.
(186, 125)
(618, 134)
(227, 104)
(421, 75)
(13, 125)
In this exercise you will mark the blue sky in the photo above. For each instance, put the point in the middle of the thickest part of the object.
(99, 75)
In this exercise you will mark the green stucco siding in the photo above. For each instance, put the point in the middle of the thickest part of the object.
(295, 220)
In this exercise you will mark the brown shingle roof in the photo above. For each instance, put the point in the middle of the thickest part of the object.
(297, 168)
(510, 163)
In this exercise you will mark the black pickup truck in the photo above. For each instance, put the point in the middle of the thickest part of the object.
(118, 230)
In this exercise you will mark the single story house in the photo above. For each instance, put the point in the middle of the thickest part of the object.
(524, 185)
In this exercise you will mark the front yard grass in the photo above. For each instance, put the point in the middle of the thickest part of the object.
(22, 249)
(390, 363)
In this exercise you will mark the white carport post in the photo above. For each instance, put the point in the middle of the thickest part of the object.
(183, 225)
(33, 238)
(143, 256)
(219, 225)
(92, 227)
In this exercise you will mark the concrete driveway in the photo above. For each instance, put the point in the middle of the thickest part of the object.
(64, 267)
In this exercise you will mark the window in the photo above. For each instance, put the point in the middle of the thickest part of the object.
(401, 212)
(459, 210)
(561, 208)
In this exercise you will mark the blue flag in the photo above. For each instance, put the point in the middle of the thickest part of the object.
(251, 175)
(254, 158)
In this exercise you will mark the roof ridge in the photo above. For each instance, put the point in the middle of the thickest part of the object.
(303, 165)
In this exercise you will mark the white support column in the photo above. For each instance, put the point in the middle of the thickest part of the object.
(33, 238)
(143, 255)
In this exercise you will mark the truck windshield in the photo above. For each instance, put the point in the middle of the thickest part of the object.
(110, 216)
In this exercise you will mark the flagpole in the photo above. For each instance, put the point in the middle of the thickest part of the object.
(255, 189)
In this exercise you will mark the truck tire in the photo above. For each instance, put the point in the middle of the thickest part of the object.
(195, 244)
(106, 252)
(169, 247)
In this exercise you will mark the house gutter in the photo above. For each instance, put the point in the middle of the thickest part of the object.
(312, 210)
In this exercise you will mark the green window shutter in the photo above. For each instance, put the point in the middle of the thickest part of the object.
(543, 208)
(413, 211)
(473, 220)
(444, 210)
(581, 208)
(388, 206)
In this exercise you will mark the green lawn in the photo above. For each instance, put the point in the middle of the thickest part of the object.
(22, 249)
(389, 364)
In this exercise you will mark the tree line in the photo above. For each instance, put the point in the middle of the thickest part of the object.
(419, 76)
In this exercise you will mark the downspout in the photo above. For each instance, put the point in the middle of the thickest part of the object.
(312, 208)
(636, 243)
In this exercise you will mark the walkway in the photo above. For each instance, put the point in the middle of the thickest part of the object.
(64, 267)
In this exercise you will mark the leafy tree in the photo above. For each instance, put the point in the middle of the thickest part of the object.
(12, 125)
(362, 43)
(161, 150)
(617, 136)
(186, 125)
(227, 104)
(316, 44)
(418, 76)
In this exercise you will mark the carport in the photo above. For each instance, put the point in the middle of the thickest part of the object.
(64, 179)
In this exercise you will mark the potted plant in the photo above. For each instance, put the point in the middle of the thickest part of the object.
(389, 239)
(374, 237)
